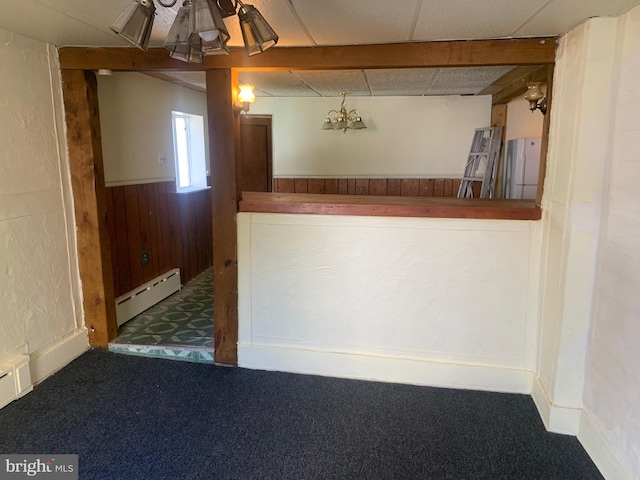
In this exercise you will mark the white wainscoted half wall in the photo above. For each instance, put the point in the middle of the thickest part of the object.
(446, 302)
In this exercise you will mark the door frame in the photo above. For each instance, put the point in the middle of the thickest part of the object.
(267, 122)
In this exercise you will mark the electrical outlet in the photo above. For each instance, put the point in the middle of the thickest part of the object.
(145, 258)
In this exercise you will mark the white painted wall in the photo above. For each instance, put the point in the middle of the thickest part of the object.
(424, 301)
(612, 387)
(580, 123)
(39, 284)
(135, 119)
(405, 136)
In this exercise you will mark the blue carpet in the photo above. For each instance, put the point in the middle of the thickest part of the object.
(136, 418)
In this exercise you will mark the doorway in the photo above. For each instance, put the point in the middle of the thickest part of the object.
(256, 152)
(181, 325)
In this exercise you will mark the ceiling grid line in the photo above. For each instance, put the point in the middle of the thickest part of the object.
(432, 83)
(306, 84)
(304, 28)
(366, 80)
(531, 17)
(414, 23)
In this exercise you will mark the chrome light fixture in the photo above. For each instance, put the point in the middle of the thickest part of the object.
(535, 97)
(178, 38)
(342, 119)
(257, 34)
(198, 29)
(208, 31)
(135, 22)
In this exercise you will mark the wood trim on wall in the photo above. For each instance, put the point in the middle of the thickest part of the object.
(366, 205)
(173, 228)
(80, 96)
(396, 187)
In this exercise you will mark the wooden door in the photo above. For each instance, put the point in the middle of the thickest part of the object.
(255, 150)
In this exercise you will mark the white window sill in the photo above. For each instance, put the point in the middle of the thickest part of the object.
(193, 190)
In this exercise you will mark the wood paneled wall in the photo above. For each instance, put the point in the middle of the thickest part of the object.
(399, 187)
(174, 229)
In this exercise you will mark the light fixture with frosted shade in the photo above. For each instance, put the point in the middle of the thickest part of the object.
(208, 31)
(135, 22)
(257, 34)
(246, 97)
(342, 119)
(535, 97)
(177, 41)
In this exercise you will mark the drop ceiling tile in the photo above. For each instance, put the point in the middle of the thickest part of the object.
(333, 83)
(560, 16)
(466, 80)
(280, 15)
(400, 81)
(276, 84)
(336, 22)
(41, 22)
(467, 19)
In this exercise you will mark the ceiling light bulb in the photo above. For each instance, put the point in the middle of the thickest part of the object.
(246, 94)
(209, 36)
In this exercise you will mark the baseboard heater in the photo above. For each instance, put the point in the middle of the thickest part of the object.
(138, 300)
(15, 379)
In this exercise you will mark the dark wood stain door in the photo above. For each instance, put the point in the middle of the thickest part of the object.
(257, 164)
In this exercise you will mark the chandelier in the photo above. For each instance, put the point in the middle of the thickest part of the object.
(198, 29)
(342, 119)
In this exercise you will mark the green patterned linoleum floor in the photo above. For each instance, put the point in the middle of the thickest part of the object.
(179, 328)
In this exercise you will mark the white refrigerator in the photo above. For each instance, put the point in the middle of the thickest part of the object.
(520, 168)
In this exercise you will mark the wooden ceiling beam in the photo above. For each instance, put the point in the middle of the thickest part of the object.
(530, 51)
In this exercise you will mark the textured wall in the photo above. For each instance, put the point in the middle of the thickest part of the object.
(405, 136)
(39, 289)
(580, 121)
(450, 291)
(612, 392)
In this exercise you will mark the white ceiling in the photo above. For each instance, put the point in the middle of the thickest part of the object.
(334, 22)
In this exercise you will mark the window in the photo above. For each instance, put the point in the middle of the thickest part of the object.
(189, 151)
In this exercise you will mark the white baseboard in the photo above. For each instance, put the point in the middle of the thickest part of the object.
(556, 419)
(600, 451)
(145, 296)
(15, 380)
(47, 361)
(384, 369)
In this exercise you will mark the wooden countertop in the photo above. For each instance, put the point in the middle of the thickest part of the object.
(369, 205)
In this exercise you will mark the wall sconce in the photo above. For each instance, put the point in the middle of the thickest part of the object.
(246, 97)
(535, 97)
(341, 119)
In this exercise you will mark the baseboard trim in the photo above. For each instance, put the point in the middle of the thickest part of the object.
(47, 361)
(556, 419)
(600, 451)
(384, 368)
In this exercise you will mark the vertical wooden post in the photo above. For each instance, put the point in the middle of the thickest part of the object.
(499, 119)
(223, 145)
(544, 143)
(80, 94)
